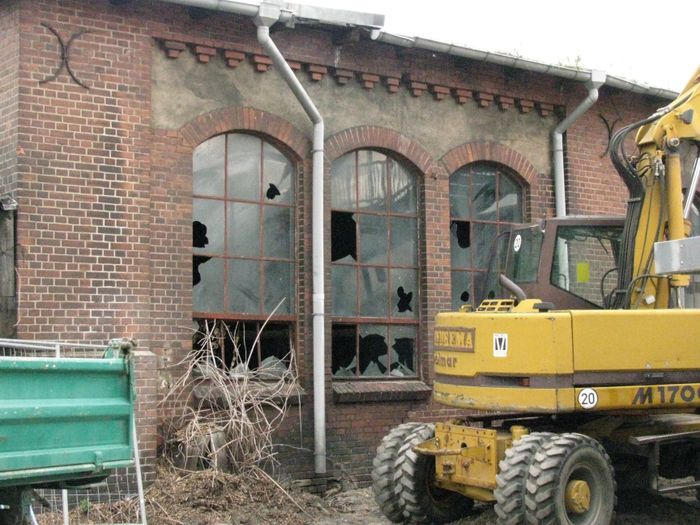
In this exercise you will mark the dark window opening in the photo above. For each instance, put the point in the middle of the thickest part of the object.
(240, 347)
(343, 236)
(368, 350)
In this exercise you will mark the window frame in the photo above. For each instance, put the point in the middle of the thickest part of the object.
(472, 270)
(388, 321)
(261, 259)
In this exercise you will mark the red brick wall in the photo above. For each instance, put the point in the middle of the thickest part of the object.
(9, 65)
(105, 200)
(593, 186)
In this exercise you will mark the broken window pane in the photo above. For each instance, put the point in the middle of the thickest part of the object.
(343, 350)
(485, 236)
(278, 175)
(404, 241)
(344, 283)
(374, 284)
(460, 243)
(459, 194)
(343, 236)
(243, 286)
(484, 196)
(371, 174)
(244, 166)
(404, 292)
(509, 205)
(243, 229)
(343, 183)
(461, 289)
(374, 352)
(278, 232)
(208, 167)
(274, 351)
(382, 226)
(208, 226)
(208, 294)
(403, 190)
(403, 350)
(373, 239)
(279, 287)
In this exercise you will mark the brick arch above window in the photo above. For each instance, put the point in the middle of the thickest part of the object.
(375, 137)
(493, 152)
(246, 119)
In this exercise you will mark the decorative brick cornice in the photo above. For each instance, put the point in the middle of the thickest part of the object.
(439, 92)
(504, 103)
(233, 58)
(368, 80)
(316, 72)
(342, 76)
(173, 48)
(462, 95)
(378, 137)
(416, 85)
(204, 53)
(261, 62)
(392, 84)
(489, 151)
(484, 99)
(284, 134)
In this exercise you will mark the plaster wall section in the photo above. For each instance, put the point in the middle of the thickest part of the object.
(184, 89)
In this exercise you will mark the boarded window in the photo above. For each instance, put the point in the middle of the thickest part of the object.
(374, 270)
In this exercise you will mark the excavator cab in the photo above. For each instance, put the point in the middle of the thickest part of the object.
(570, 262)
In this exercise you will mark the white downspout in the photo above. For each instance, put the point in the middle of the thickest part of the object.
(266, 17)
(597, 80)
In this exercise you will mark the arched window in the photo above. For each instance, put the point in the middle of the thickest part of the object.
(243, 246)
(484, 200)
(375, 277)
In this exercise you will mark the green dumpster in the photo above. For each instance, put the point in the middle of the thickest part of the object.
(65, 421)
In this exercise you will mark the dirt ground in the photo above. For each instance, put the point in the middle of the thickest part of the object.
(215, 498)
(356, 507)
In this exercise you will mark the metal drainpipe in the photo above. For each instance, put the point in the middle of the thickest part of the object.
(266, 17)
(597, 80)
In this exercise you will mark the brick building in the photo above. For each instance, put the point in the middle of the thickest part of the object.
(162, 170)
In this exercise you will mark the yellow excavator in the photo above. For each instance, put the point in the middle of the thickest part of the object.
(566, 403)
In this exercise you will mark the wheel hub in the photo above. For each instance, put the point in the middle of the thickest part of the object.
(578, 496)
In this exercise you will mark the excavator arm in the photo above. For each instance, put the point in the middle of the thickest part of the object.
(655, 209)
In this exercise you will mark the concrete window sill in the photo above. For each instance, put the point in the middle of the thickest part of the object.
(361, 391)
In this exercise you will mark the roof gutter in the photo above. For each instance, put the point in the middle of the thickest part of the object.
(265, 15)
(502, 59)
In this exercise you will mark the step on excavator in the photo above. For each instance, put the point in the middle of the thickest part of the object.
(583, 384)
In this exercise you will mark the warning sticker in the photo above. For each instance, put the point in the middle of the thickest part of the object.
(500, 345)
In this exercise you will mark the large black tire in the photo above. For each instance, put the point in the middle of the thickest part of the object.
(566, 459)
(510, 481)
(422, 501)
(383, 470)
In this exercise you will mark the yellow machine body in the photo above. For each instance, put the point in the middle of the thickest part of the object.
(566, 361)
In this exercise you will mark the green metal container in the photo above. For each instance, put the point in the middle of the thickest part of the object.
(65, 420)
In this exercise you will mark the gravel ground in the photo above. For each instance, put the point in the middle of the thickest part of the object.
(357, 507)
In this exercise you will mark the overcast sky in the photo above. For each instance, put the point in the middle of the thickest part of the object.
(620, 37)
